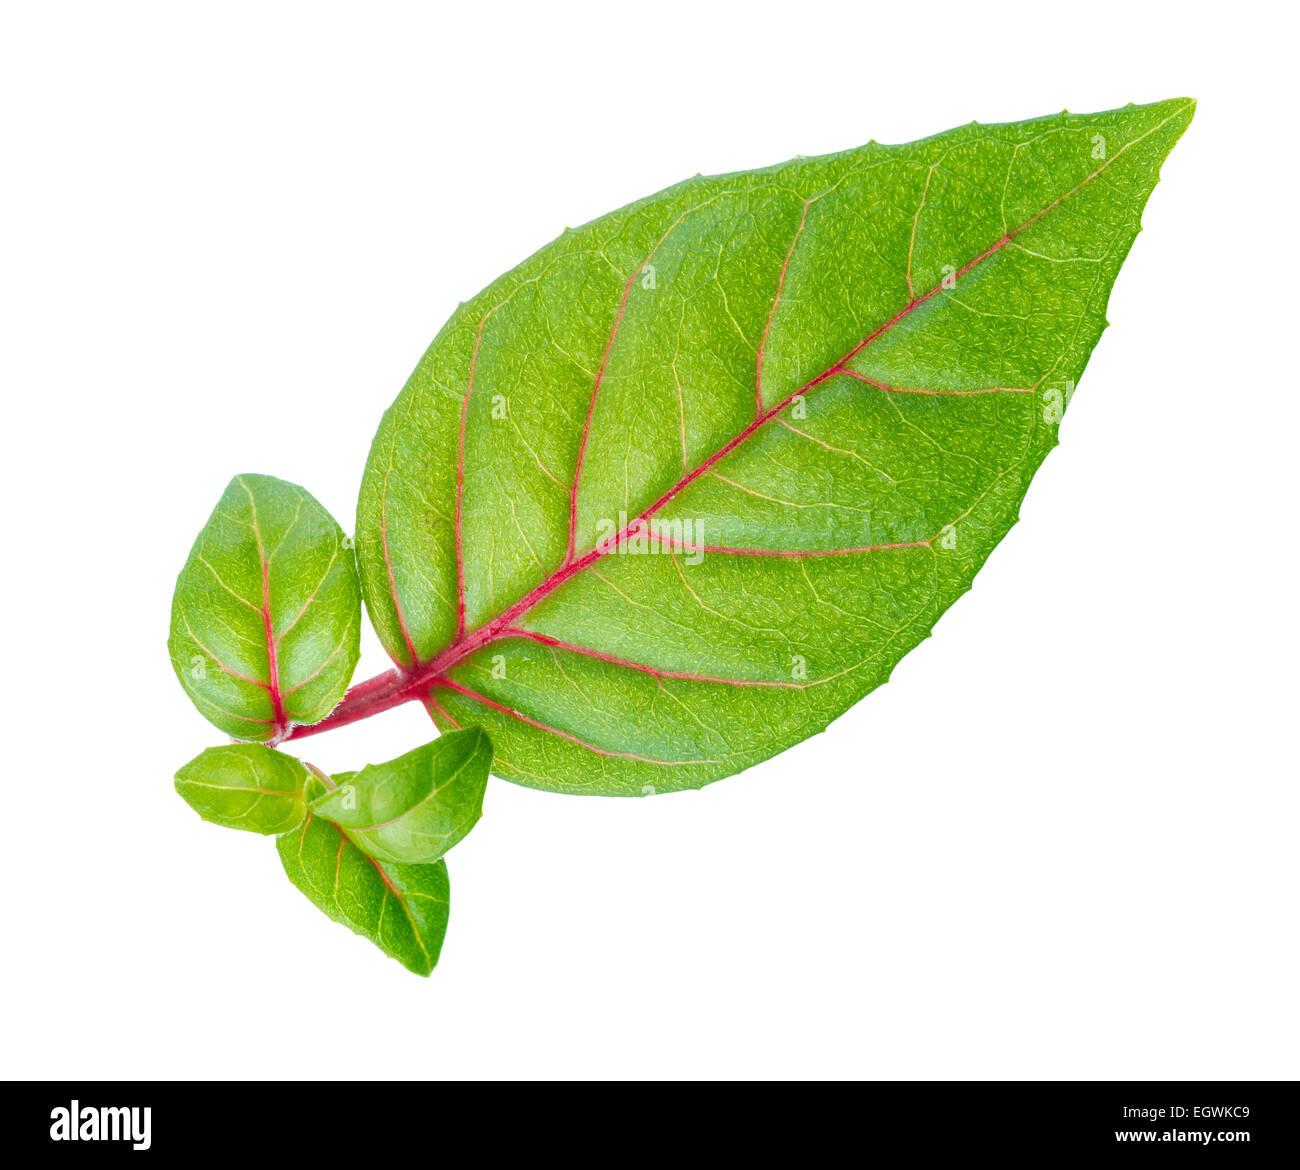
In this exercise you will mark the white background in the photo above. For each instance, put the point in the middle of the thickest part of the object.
(1061, 843)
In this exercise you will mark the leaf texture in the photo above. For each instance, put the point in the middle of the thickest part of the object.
(416, 807)
(686, 484)
(402, 909)
(245, 786)
(265, 629)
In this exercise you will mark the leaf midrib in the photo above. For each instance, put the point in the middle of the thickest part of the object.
(280, 724)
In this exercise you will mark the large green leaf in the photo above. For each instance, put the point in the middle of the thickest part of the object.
(416, 807)
(266, 615)
(830, 381)
(402, 909)
(245, 786)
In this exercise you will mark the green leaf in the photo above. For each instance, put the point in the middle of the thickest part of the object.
(416, 807)
(266, 616)
(402, 909)
(245, 786)
(827, 384)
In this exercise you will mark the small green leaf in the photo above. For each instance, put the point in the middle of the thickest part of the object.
(416, 807)
(402, 909)
(266, 616)
(245, 786)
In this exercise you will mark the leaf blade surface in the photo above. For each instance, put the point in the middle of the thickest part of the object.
(415, 808)
(402, 909)
(827, 383)
(265, 628)
(245, 786)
